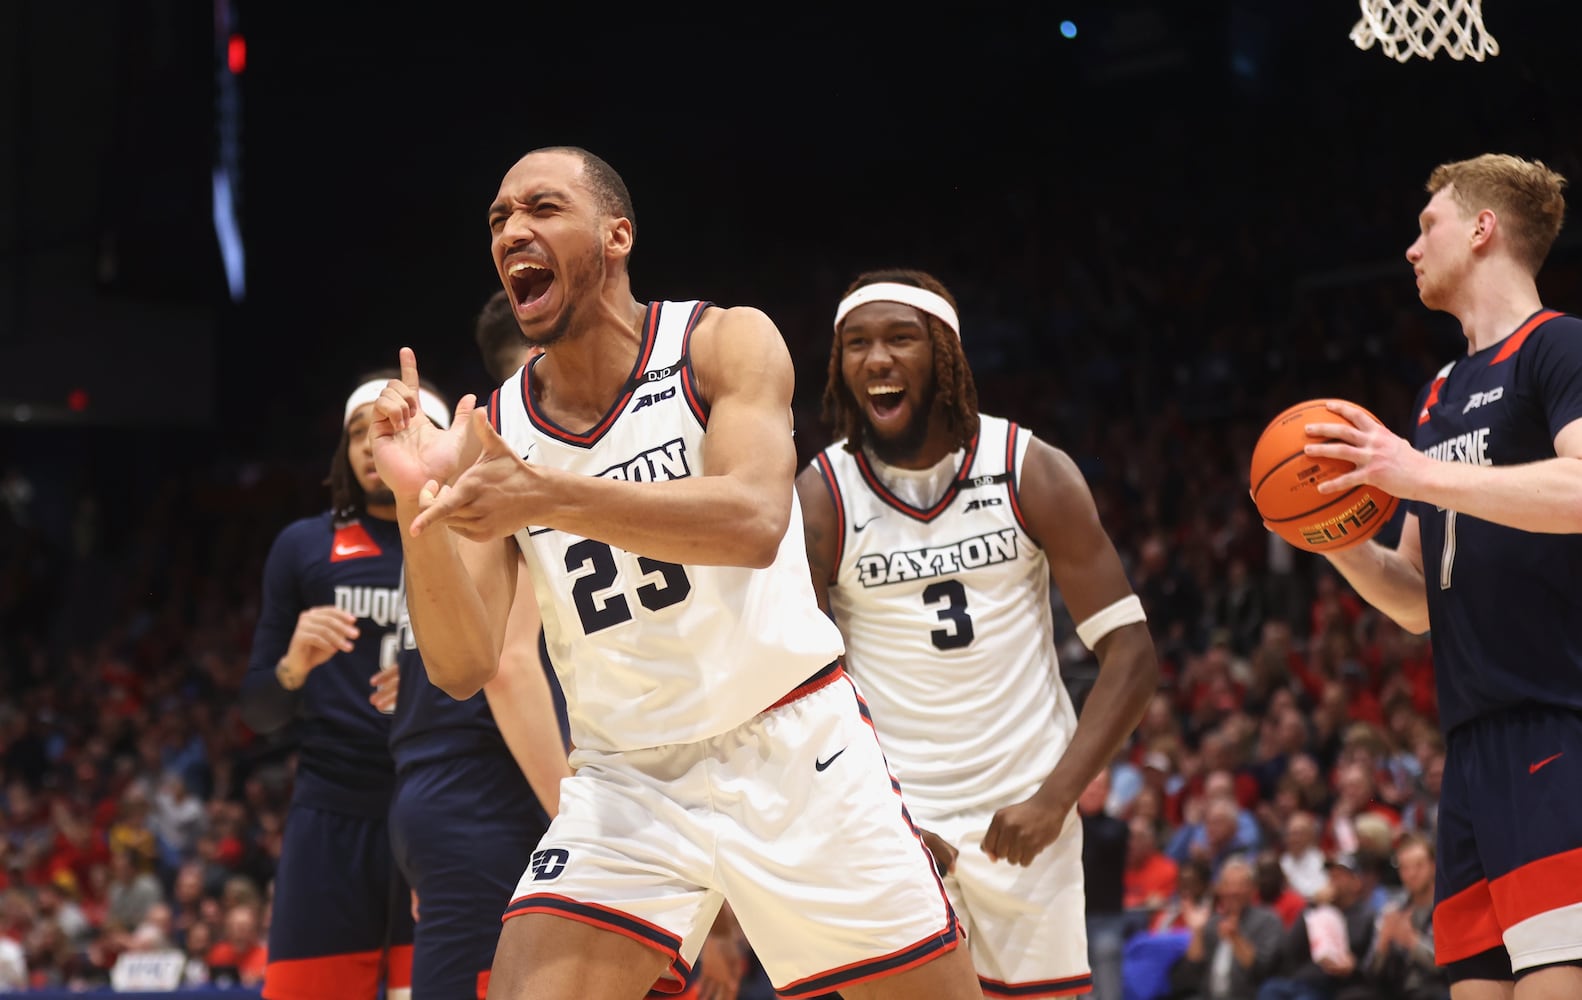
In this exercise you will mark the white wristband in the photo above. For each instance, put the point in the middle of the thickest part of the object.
(1125, 611)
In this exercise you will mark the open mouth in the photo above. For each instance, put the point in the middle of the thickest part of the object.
(529, 282)
(885, 399)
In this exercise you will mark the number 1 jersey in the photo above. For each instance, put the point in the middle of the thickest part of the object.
(1505, 605)
(947, 622)
(649, 652)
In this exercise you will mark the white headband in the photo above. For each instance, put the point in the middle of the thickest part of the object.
(908, 295)
(369, 391)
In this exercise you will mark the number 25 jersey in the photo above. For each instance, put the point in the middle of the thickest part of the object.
(650, 652)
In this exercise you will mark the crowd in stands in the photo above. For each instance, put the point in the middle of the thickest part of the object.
(1275, 807)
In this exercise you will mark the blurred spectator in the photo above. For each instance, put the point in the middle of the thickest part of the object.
(13, 966)
(1274, 892)
(200, 941)
(131, 892)
(1220, 835)
(1194, 890)
(1233, 943)
(178, 820)
(1323, 952)
(1104, 847)
(1150, 879)
(240, 954)
(1400, 965)
(1302, 861)
(1355, 798)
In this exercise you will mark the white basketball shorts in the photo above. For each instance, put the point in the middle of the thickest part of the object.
(792, 816)
(1026, 927)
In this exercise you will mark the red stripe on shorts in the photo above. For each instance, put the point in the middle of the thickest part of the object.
(1464, 924)
(1538, 887)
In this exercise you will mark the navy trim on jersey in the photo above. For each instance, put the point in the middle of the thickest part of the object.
(827, 473)
(883, 493)
(689, 387)
(599, 916)
(897, 961)
(1011, 431)
(591, 437)
(494, 407)
(1044, 988)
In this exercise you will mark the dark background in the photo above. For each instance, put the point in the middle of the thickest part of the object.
(1241, 148)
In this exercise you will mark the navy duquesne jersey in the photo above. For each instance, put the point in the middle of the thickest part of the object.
(1505, 606)
(429, 725)
(344, 760)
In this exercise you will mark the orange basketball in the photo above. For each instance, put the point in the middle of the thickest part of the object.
(1285, 486)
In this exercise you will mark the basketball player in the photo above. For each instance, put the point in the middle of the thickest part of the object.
(477, 780)
(504, 350)
(718, 973)
(1489, 559)
(933, 531)
(720, 751)
(326, 624)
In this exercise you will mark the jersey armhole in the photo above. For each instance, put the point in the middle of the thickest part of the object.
(1015, 451)
(827, 473)
(689, 381)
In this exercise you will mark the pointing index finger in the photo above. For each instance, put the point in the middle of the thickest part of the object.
(409, 368)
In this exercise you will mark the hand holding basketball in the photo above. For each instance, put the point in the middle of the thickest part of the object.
(1381, 458)
(1309, 480)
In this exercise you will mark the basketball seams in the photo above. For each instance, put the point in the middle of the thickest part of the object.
(1283, 441)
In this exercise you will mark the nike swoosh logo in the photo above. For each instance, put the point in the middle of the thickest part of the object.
(343, 551)
(1535, 768)
(819, 765)
(859, 527)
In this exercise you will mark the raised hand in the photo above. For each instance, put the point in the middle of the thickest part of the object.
(409, 450)
(1194, 915)
(1381, 458)
(487, 501)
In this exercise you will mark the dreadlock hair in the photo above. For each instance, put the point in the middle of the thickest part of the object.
(348, 502)
(956, 395)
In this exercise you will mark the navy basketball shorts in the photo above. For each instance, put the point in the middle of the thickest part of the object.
(341, 921)
(462, 830)
(1508, 896)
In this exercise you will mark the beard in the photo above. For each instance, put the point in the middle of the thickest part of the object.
(905, 446)
(588, 273)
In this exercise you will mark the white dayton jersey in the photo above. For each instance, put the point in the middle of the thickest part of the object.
(946, 616)
(650, 652)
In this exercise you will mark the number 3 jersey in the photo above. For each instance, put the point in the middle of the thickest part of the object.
(650, 652)
(1505, 605)
(946, 616)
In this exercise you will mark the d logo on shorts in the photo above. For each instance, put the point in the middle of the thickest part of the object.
(548, 863)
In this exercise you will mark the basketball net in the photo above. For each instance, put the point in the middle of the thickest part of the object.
(1407, 28)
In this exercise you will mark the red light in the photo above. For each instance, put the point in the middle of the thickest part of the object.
(77, 400)
(236, 54)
